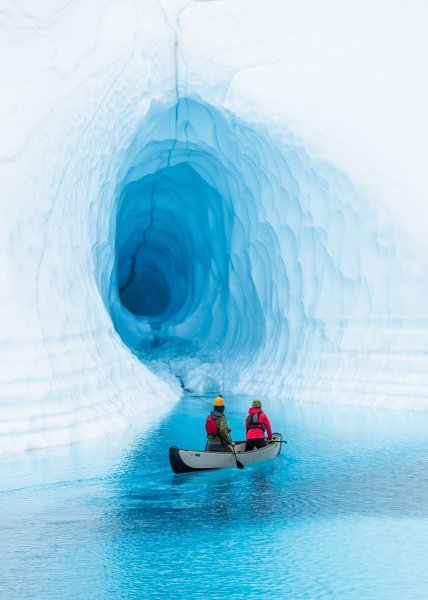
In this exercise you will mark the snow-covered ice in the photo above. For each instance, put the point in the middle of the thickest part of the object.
(209, 194)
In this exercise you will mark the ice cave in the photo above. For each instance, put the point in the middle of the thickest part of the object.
(172, 224)
(204, 197)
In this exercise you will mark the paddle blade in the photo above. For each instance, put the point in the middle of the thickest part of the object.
(238, 462)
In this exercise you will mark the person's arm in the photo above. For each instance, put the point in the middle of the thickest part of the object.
(224, 430)
(267, 425)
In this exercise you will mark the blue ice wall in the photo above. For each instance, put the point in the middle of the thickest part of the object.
(234, 248)
(183, 233)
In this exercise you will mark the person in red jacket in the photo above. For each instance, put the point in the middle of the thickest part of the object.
(256, 424)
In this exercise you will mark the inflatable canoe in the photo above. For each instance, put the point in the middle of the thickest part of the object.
(185, 461)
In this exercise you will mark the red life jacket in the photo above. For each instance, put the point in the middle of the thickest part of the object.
(211, 426)
(252, 422)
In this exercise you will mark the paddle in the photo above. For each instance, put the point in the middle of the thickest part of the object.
(277, 442)
(238, 462)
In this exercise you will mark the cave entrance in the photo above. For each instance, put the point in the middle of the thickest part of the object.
(170, 239)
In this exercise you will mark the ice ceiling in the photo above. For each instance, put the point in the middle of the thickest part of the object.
(188, 212)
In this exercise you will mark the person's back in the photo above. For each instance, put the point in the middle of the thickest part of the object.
(218, 439)
(256, 424)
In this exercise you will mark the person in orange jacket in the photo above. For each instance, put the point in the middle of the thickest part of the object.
(256, 424)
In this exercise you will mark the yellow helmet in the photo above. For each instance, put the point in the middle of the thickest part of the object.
(257, 404)
(219, 401)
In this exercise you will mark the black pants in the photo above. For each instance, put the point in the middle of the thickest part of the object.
(255, 443)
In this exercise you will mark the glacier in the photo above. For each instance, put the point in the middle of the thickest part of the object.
(205, 195)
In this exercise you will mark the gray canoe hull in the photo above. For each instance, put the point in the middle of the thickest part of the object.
(186, 461)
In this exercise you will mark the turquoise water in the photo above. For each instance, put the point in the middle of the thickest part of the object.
(341, 513)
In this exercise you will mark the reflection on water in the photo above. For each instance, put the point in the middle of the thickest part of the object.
(341, 513)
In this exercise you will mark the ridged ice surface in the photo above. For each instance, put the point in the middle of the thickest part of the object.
(236, 248)
(208, 195)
